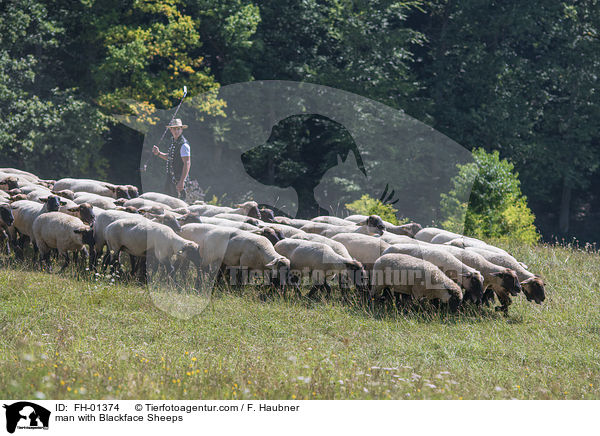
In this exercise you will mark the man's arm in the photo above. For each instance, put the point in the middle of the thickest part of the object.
(159, 153)
(187, 163)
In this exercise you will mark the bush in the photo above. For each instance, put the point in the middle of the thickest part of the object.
(367, 205)
(496, 207)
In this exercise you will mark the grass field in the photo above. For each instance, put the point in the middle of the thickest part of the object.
(63, 337)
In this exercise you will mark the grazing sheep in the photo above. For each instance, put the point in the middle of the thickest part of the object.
(84, 211)
(286, 231)
(103, 219)
(469, 278)
(338, 247)
(235, 248)
(20, 173)
(25, 212)
(267, 215)
(249, 208)
(319, 259)
(392, 238)
(171, 202)
(237, 217)
(465, 242)
(92, 186)
(96, 200)
(6, 220)
(404, 274)
(366, 249)
(293, 222)
(533, 285)
(333, 220)
(372, 225)
(498, 280)
(8, 182)
(409, 229)
(61, 231)
(148, 205)
(197, 219)
(141, 237)
(428, 233)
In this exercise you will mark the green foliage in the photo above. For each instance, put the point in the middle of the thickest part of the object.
(496, 205)
(46, 129)
(367, 205)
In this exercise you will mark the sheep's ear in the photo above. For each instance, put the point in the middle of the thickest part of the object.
(73, 209)
(362, 223)
(120, 201)
(237, 205)
(81, 230)
(272, 263)
(63, 202)
(112, 188)
(43, 200)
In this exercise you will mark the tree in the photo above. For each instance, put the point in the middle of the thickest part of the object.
(496, 206)
(47, 129)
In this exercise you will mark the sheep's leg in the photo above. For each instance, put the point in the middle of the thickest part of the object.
(67, 260)
(134, 261)
(505, 301)
(488, 297)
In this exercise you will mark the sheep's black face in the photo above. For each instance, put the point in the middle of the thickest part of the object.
(10, 183)
(534, 290)
(376, 222)
(252, 221)
(133, 191)
(190, 218)
(87, 235)
(267, 215)
(270, 234)
(6, 215)
(53, 203)
(86, 213)
(510, 282)
(454, 302)
(413, 229)
(192, 254)
(475, 288)
(172, 223)
(121, 192)
(254, 212)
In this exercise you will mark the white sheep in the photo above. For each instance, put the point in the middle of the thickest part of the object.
(63, 232)
(366, 249)
(371, 226)
(428, 233)
(465, 242)
(318, 259)
(147, 205)
(533, 285)
(409, 229)
(94, 187)
(171, 202)
(338, 247)
(235, 248)
(142, 238)
(404, 274)
(469, 278)
(249, 208)
(498, 280)
(96, 200)
(333, 220)
(293, 222)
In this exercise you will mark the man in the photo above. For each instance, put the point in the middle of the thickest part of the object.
(178, 160)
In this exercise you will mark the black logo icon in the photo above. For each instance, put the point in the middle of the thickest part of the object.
(26, 415)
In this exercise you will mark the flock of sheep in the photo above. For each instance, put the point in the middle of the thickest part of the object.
(363, 253)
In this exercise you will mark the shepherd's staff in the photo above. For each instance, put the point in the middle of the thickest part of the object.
(166, 128)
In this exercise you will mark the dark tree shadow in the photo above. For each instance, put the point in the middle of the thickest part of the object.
(298, 153)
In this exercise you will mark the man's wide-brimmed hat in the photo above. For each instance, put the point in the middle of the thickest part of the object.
(177, 123)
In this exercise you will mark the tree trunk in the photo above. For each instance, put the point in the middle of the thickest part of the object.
(565, 208)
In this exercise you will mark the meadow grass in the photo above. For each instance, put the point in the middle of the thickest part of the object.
(62, 336)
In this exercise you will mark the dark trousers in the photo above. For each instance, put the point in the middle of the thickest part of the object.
(171, 189)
